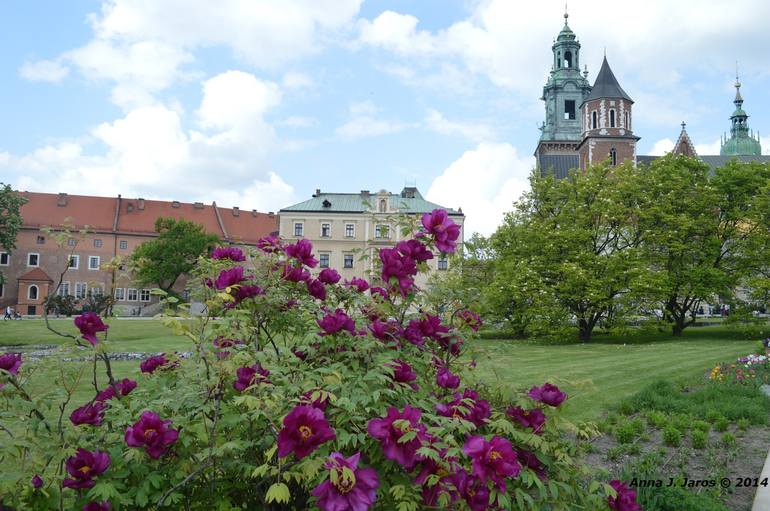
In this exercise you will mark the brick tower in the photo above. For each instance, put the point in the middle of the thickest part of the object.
(606, 118)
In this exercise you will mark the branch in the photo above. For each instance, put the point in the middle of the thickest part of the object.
(183, 482)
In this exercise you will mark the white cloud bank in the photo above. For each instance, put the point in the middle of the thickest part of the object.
(485, 182)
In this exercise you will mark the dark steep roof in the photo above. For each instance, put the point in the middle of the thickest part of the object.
(558, 164)
(606, 85)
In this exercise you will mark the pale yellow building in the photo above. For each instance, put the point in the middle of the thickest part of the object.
(345, 226)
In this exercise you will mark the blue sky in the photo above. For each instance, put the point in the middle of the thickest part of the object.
(256, 103)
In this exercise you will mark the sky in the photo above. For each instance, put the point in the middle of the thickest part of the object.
(258, 103)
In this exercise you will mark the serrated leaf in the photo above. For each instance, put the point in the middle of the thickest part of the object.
(278, 492)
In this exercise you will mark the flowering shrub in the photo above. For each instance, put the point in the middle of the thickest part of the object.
(302, 392)
(751, 369)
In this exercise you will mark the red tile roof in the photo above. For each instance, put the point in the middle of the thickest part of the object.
(37, 275)
(137, 216)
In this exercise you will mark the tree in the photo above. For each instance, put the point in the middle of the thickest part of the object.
(10, 216)
(576, 240)
(701, 231)
(162, 261)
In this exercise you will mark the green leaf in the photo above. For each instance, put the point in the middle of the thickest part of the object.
(278, 492)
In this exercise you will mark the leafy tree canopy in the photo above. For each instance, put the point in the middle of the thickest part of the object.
(10, 216)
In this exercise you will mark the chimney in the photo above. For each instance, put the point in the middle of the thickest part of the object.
(175, 204)
(140, 204)
(317, 192)
(198, 205)
(365, 193)
(254, 213)
(62, 200)
(271, 214)
(236, 211)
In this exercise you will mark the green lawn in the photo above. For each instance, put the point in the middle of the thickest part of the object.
(599, 374)
(596, 374)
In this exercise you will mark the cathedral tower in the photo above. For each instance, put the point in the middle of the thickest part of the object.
(741, 141)
(606, 120)
(564, 91)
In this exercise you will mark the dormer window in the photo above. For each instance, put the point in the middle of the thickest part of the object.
(326, 203)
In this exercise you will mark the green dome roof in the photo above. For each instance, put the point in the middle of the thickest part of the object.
(566, 33)
(739, 146)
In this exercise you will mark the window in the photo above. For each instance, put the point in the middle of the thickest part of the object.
(567, 59)
(40, 240)
(97, 243)
(2, 289)
(123, 245)
(326, 230)
(569, 109)
(627, 124)
(5, 258)
(71, 242)
(613, 157)
(74, 261)
(120, 294)
(94, 262)
(64, 289)
(593, 120)
(33, 259)
(443, 263)
(350, 230)
(96, 291)
(348, 261)
(383, 206)
(298, 229)
(144, 295)
(382, 232)
(612, 118)
(133, 294)
(323, 260)
(32, 292)
(80, 289)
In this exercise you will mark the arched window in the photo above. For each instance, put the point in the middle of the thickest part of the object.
(612, 118)
(383, 206)
(627, 123)
(593, 120)
(32, 292)
(558, 59)
(613, 157)
(568, 59)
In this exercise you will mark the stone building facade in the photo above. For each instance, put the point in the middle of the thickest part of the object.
(346, 226)
(103, 229)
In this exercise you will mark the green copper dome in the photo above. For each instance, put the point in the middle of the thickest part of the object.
(742, 141)
(566, 33)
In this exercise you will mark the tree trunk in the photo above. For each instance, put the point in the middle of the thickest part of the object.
(678, 327)
(586, 328)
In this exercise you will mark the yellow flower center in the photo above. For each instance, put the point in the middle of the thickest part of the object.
(85, 470)
(494, 455)
(305, 432)
(148, 432)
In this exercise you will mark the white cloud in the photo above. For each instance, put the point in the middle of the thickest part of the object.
(476, 132)
(397, 32)
(485, 182)
(294, 80)
(363, 123)
(662, 147)
(708, 149)
(44, 71)
(149, 153)
(299, 121)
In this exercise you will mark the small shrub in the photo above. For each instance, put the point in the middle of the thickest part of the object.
(627, 431)
(728, 440)
(656, 419)
(721, 424)
(626, 407)
(713, 415)
(743, 424)
(699, 438)
(682, 422)
(672, 436)
(701, 426)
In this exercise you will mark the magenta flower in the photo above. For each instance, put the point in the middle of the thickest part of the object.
(361, 285)
(413, 333)
(398, 270)
(446, 379)
(295, 273)
(415, 250)
(90, 413)
(316, 289)
(466, 406)
(229, 277)
(445, 470)
(381, 292)
(248, 376)
(336, 322)
(385, 331)
(548, 394)
(348, 488)
(329, 276)
(534, 418)
(152, 433)
(244, 292)
(471, 319)
(531, 461)
(444, 231)
(155, 362)
(97, 506)
(83, 467)
(494, 459)
(125, 386)
(431, 326)
(304, 429)
(475, 493)
(10, 362)
(403, 373)
(625, 500)
(389, 430)
(37, 482)
(232, 253)
(269, 244)
(302, 251)
(89, 323)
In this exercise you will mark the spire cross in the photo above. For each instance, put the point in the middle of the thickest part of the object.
(683, 125)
